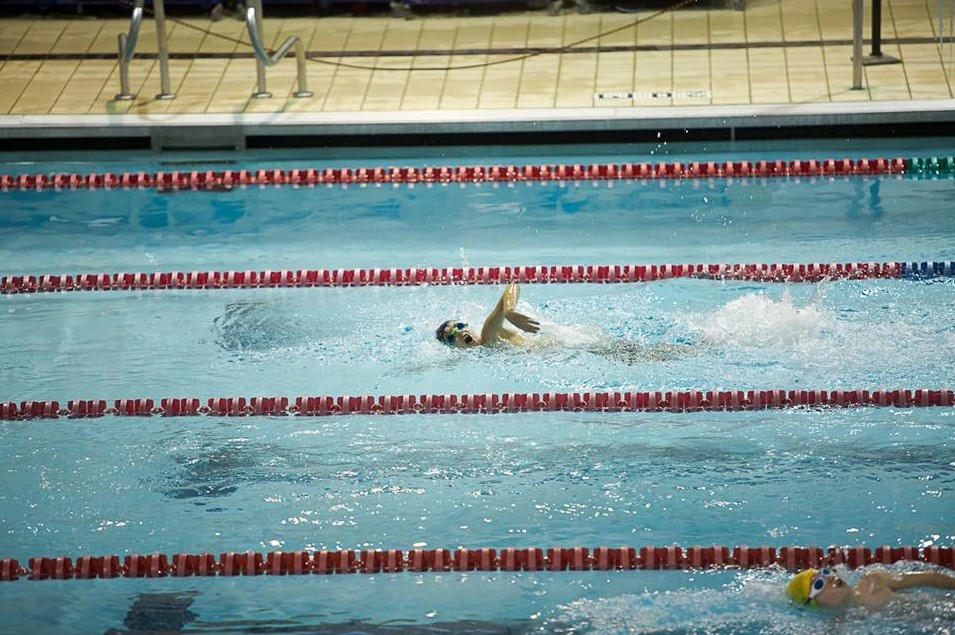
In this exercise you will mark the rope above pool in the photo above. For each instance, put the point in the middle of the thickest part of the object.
(487, 403)
(416, 276)
(673, 557)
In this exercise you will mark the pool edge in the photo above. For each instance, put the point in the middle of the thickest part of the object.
(241, 130)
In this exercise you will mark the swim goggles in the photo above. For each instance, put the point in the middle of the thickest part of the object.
(455, 330)
(819, 583)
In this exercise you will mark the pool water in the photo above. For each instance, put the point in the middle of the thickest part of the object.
(801, 476)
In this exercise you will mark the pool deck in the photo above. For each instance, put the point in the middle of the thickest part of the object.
(777, 63)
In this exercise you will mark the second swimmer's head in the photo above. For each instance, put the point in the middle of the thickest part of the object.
(819, 587)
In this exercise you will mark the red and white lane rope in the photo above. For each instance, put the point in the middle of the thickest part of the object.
(310, 177)
(414, 276)
(347, 561)
(488, 403)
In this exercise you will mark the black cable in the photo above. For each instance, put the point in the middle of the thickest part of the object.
(555, 51)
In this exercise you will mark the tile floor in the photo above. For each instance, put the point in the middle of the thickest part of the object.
(774, 52)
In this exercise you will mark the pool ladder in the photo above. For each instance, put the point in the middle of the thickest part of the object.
(253, 19)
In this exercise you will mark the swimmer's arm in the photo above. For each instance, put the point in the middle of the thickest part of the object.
(494, 330)
(898, 581)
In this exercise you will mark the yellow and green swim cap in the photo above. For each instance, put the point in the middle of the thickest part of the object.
(798, 587)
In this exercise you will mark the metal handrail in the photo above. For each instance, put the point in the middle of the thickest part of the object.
(127, 46)
(263, 58)
(159, 10)
(857, 45)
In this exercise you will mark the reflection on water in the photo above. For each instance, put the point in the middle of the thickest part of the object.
(630, 352)
(358, 627)
(581, 477)
(215, 471)
(674, 603)
(158, 613)
(782, 477)
(258, 326)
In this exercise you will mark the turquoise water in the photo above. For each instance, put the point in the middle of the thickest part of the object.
(805, 477)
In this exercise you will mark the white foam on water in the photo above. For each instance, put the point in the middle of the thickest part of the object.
(754, 606)
(756, 320)
(754, 602)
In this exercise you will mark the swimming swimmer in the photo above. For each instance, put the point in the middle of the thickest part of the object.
(494, 331)
(875, 589)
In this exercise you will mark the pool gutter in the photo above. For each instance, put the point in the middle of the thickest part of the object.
(240, 130)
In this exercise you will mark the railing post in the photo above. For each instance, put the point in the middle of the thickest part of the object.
(261, 91)
(876, 57)
(303, 90)
(941, 23)
(951, 32)
(127, 46)
(159, 10)
(856, 44)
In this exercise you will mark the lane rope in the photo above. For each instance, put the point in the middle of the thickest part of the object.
(172, 181)
(487, 403)
(345, 561)
(416, 276)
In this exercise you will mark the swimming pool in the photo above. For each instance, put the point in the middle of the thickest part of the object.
(803, 476)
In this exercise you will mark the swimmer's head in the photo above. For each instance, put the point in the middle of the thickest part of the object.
(799, 587)
(456, 334)
(818, 587)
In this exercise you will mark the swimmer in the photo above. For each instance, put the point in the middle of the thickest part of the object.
(875, 589)
(494, 332)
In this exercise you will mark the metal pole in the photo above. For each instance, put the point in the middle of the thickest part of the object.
(261, 92)
(876, 27)
(941, 23)
(160, 10)
(876, 56)
(951, 32)
(127, 46)
(856, 44)
(264, 58)
(303, 90)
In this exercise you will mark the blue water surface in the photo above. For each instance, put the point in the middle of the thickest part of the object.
(801, 476)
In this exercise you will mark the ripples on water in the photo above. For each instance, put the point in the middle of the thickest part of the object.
(662, 336)
(796, 476)
(656, 603)
(627, 478)
(753, 603)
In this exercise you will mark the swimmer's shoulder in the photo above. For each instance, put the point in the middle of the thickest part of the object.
(505, 337)
(875, 588)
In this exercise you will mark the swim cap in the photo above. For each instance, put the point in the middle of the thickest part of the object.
(798, 587)
(439, 333)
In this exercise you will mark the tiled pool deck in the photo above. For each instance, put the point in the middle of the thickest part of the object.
(775, 58)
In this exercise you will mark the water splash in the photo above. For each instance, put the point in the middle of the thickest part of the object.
(752, 603)
(741, 607)
(756, 320)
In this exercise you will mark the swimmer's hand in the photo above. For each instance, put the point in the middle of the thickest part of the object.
(523, 322)
(494, 331)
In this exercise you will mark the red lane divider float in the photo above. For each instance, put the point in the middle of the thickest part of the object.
(229, 179)
(540, 274)
(158, 565)
(489, 403)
